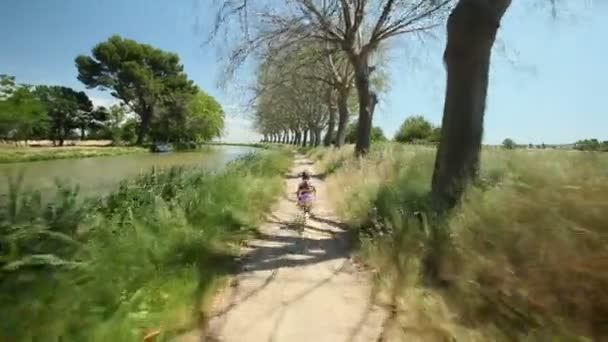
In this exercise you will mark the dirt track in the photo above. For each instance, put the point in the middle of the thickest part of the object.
(297, 287)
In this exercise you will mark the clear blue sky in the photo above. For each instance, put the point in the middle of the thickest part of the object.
(548, 81)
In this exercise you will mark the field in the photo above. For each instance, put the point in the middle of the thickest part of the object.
(13, 154)
(523, 257)
(145, 258)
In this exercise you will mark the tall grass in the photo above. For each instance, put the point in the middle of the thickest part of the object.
(144, 258)
(523, 257)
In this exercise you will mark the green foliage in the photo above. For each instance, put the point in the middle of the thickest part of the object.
(206, 117)
(66, 110)
(143, 77)
(416, 128)
(376, 134)
(509, 144)
(113, 127)
(192, 120)
(21, 112)
(109, 269)
(128, 132)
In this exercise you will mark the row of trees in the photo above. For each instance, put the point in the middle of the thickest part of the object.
(157, 100)
(352, 32)
(591, 145)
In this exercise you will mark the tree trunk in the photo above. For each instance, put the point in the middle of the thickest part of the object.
(342, 116)
(316, 137)
(305, 139)
(82, 135)
(366, 104)
(61, 137)
(143, 127)
(318, 134)
(298, 138)
(331, 121)
(471, 28)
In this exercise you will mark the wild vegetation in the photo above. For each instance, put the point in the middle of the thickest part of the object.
(115, 268)
(522, 257)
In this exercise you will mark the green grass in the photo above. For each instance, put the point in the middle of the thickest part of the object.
(523, 257)
(28, 154)
(146, 257)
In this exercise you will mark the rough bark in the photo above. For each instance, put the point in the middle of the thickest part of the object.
(342, 117)
(144, 126)
(331, 122)
(471, 28)
(366, 105)
(318, 131)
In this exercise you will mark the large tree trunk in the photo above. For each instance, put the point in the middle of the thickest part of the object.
(331, 121)
(471, 30)
(318, 134)
(342, 116)
(144, 125)
(305, 139)
(366, 105)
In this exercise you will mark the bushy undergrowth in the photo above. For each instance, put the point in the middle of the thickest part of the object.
(27, 154)
(143, 258)
(523, 257)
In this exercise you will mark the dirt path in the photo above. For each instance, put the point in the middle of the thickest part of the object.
(298, 287)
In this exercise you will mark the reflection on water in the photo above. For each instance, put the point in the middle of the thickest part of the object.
(101, 175)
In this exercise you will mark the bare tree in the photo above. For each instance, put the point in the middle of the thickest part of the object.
(357, 27)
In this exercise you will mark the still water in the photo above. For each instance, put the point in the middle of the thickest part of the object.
(101, 175)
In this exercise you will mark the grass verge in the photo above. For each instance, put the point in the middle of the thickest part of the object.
(523, 257)
(28, 154)
(145, 258)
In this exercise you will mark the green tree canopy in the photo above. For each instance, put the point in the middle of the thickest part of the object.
(414, 128)
(377, 135)
(65, 108)
(206, 119)
(21, 112)
(509, 144)
(189, 119)
(143, 77)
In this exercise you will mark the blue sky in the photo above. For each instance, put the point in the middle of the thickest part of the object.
(547, 80)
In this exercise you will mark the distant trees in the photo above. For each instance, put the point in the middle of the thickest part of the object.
(376, 134)
(417, 129)
(357, 29)
(591, 145)
(146, 79)
(509, 144)
(66, 110)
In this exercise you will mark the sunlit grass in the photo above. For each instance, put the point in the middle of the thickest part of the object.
(525, 255)
(145, 258)
(10, 154)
